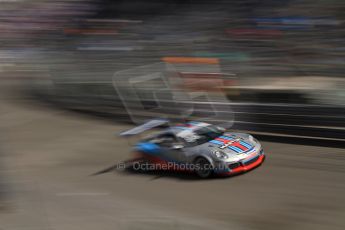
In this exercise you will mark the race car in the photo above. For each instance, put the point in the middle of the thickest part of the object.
(200, 147)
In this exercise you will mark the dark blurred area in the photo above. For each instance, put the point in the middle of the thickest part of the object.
(285, 57)
(281, 51)
(272, 68)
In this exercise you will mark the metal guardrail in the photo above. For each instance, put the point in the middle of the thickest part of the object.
(297, 120)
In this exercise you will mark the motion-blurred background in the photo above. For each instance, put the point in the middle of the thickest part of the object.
(273, 68)
(279, 62)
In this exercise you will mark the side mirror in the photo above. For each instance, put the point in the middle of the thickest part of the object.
(177, 146)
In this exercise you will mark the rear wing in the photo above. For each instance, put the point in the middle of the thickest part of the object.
(144, 127)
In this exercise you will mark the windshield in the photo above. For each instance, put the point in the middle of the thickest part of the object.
(202, 135)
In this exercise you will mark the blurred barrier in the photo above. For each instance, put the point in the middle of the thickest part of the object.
(324, 123)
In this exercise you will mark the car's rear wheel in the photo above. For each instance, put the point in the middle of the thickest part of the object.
(203, 168)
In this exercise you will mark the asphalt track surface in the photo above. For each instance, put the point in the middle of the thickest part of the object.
(48, 156)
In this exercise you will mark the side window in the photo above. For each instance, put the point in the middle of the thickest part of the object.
(166, 140)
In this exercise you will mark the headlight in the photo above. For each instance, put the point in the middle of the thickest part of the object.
(220, 154)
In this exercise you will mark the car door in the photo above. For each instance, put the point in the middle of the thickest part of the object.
(169, 150)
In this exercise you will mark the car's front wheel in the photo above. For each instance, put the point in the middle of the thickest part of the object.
(203, 168)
